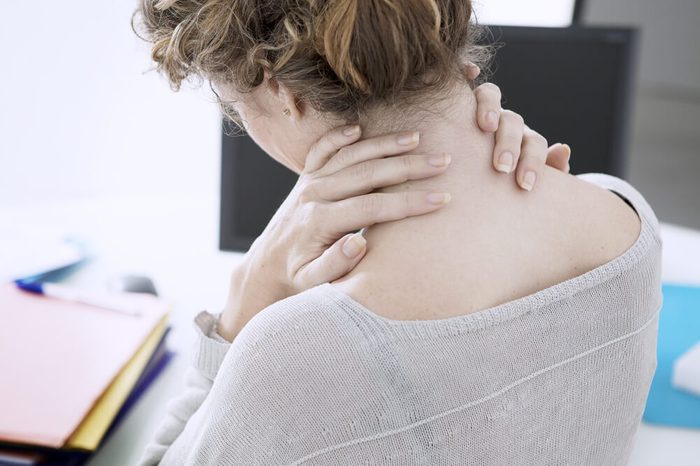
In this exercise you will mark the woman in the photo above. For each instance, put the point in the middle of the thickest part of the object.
(503, 327)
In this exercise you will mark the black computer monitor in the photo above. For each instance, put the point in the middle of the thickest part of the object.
(572, 85)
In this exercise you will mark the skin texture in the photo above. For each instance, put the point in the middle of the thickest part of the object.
(476, 254)
(284, 260)
(492, 243)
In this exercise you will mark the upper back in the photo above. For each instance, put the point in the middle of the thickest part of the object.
(556, 377)
(517, 244)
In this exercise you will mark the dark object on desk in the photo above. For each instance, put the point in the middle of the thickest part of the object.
(133, 284)
(572, 85)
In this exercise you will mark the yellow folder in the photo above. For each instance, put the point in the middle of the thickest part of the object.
(68, 367)
(90, 432)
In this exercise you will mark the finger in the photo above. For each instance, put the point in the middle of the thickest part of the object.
(558, 156)
(367, 176)
(509, 140)
(471, 70)
(488, 106)
(335, 262)
(362, 211)
(372, 148)
(532, 159)
(329, 144)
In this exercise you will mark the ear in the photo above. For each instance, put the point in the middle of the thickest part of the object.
(284, 97)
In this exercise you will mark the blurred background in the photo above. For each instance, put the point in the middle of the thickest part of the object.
(94, 145)
(82, 116)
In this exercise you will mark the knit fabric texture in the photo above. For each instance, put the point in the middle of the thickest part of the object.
(558, 377)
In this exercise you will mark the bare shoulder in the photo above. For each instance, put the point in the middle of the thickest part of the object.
(564, 228)
(606, 219)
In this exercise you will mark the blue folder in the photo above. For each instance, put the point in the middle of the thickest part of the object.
(679, 329)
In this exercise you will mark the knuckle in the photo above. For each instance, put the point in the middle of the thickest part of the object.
(388, 145)
(514, 117)
(384, 145)
(320, 146)
(363, 171)
(344, 156)
(312, 211)
(331, 140)
(541, 140)
(536, 138)
(310, 192)
(407, 163)
(489, 88)
(316, 146)
(371, 204)
(406, 201)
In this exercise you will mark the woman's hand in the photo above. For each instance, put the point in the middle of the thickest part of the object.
(516, 144)
(307, 242)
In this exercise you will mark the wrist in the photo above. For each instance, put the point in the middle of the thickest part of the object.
(252, 289)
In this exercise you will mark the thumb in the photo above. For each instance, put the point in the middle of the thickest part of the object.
(558, 156)
(335, 262)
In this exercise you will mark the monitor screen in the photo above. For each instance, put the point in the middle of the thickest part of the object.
(572, 85)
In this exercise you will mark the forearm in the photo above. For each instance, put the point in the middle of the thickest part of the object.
(208, 355)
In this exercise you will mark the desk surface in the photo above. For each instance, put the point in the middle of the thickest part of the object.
(174, 241)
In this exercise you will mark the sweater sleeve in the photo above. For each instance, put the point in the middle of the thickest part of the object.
(210, 349)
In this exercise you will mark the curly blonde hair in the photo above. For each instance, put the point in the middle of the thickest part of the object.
(341, 56)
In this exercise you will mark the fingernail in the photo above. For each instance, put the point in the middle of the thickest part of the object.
(439, 160)
(492, 118)
(406, 139)
(439, 198)
(529, 180)
(505, 162)
(568, 150)
(354, 245)
(351, 131)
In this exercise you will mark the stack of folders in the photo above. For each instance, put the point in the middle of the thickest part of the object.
(70, 371)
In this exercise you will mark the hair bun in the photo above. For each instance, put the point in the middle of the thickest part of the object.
(381, 46)
(341, 56)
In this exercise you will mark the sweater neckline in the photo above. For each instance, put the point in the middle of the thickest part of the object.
(514, 308)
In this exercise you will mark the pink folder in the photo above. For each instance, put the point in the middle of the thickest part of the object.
(58, 357)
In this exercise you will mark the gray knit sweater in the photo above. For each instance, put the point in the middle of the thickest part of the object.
(559, 377)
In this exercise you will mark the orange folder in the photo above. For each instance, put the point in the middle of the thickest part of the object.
(58, 358)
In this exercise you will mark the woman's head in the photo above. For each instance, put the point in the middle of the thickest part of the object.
(290, 69)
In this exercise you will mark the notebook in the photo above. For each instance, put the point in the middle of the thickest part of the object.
(58, 358)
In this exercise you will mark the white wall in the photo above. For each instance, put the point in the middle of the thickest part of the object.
(669, 61)
(79, 117)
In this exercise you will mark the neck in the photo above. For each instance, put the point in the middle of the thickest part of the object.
(451, 128)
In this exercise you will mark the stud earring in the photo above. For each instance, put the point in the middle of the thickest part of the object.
(287, 112)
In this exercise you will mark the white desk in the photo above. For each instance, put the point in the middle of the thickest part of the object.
(175, 242)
